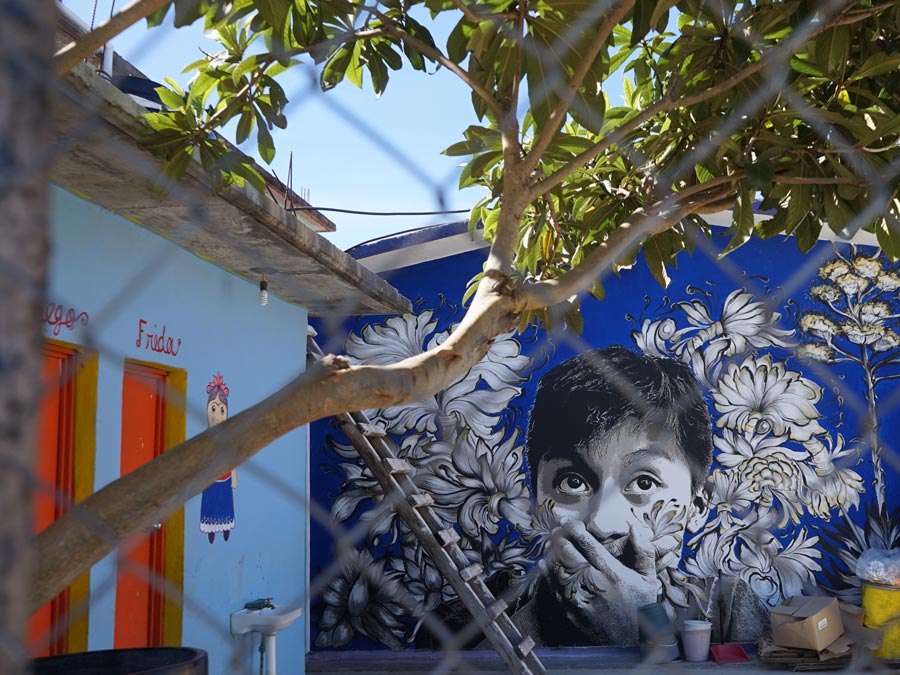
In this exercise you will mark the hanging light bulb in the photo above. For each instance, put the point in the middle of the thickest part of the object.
(263, 292)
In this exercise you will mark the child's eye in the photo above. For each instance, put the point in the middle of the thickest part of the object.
(643, 484)
(572, 484)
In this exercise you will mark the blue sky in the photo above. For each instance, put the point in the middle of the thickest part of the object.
(350, 149)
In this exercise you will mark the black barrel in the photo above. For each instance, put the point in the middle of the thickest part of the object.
(149, 661)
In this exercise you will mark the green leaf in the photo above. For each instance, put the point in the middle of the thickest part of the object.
(640, 22)
(354, 71)
(264, 143)
(474, 219)
(335, 68)
(879, 63)
(760, 174)
(245, 126)
(656, 253)
(833, 49)
(887, 230)
(771, 227)
(598, 291)
(661, 9)
(808, 234)
(742, 220)
(188, 11)
(572, 316)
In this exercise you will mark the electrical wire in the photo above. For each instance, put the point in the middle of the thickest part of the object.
(375, 213)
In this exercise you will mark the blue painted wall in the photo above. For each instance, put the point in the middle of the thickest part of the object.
(119, 273)
(813, 545)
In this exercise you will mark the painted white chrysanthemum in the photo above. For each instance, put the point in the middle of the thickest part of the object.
(888, 281)
(764, 397)
(818, 325)
(729, 497)
(652, 339)
(834, 484)
(825, 293)
(852, 284)
(889, 340)
(862, 335)
(833, 269)
(866, 267)
(465, 403)
(475, 484)
(735, 447)
(771, 476)
(745, 321)
(815, 352)
(874, 312)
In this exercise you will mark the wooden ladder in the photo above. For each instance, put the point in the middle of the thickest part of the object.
(441, 543)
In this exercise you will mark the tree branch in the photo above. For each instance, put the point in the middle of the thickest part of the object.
(96, 526)
(86, 45)
(824, 180)
(558, 116)
(619, 242)
(783, 50)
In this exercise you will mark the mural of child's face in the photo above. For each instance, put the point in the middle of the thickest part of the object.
(216, 411)
(610, 482)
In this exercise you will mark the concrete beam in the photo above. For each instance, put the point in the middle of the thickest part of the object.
(98, 156)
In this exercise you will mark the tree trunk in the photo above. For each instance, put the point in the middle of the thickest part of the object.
(26, 41)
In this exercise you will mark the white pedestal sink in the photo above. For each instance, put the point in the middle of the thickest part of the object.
(267, 622)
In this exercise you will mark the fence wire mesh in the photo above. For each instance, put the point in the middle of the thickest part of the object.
(797, 487)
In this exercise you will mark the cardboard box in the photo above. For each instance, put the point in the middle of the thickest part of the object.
(806, 622)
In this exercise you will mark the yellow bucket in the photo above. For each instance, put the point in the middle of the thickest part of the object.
(882, 605)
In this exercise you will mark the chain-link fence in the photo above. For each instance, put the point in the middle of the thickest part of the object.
(697, 452)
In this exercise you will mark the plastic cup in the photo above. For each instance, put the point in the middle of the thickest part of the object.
(695, 640)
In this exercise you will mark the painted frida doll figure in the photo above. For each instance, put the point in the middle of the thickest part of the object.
(217, 505)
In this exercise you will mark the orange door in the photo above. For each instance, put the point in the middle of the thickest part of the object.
(54, 471)
(139, 598)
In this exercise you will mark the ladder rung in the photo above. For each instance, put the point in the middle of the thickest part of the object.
(524, 648)
(448, 537)
(470, 572)
(498, 608)
(395, 465)
(371, 430)
(421, 500)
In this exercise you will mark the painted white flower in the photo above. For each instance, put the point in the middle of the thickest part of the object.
(888, 340)
(653, 336)
(815, 352)
(730, 498)
(874, 312)
(476, 484)
(666, 522)
(476, 401)
(735, 447)
(361, 487)
(363, 601)
(868, 268)
(834, 269)
(775, 477)
(852, 284)
(744, 321)
(825, 293)
(861, 335)
(776, 575)
(833, 484)
(763, 397)
(712, 554)
(888, 281)
(818, 325)
(399, 337)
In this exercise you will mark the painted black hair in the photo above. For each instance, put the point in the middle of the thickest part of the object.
(594, 391)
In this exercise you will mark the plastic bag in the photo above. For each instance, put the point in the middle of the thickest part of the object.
(879, 566)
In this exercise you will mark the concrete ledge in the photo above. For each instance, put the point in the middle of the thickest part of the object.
(99, 158)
